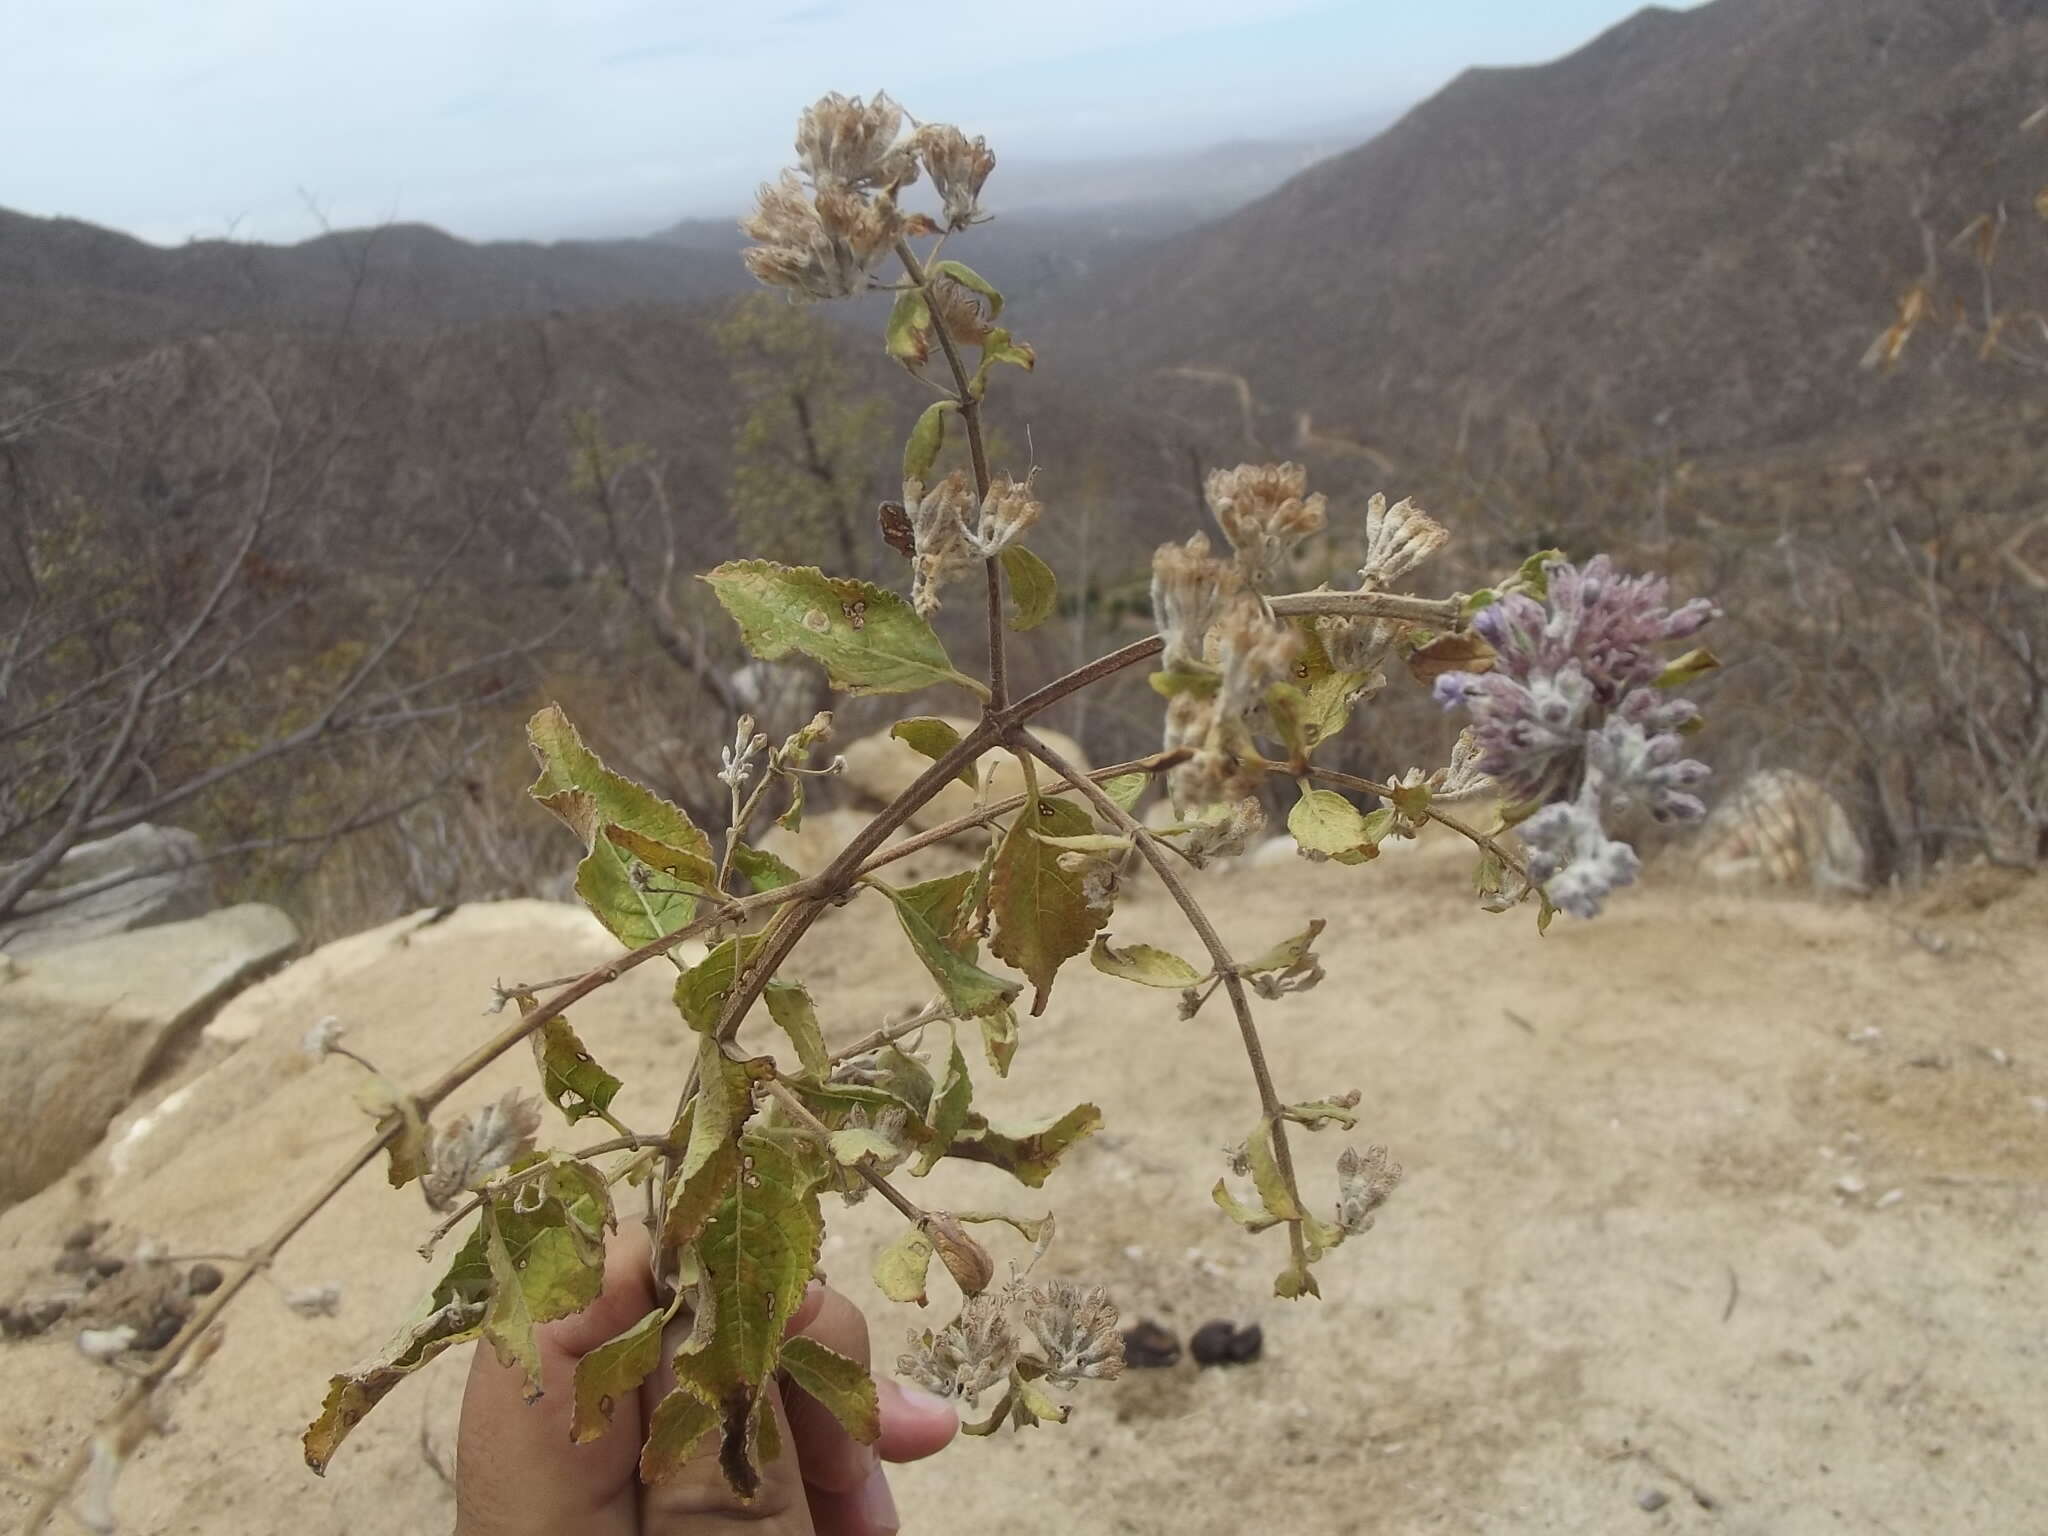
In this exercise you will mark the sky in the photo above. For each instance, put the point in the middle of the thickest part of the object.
(538, 119)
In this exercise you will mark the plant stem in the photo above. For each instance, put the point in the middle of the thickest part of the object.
(800, 1112)
(970, 417)
(1219, 955)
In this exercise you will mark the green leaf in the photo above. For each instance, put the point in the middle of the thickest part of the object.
(612, 1373)
(574, 1083)
(945, 903)
(1043, 917)
(1325, 823)
(1202, 683)
(1533, 574)
(868, 639)
(544, 1244)
(921, 449)
(1029, 1156)
(1126, 789)
(619, 822)
(710, 1164)
(934, 738)
(857, 1142)
(842, 1386)
(701, 991)
(451, 1314)
(1318, 1113)
(1288, 953)
(678, 1426)
(967, 277)
(1033, 587)
(907, 336)
(1239, 1212)
(1689, 668)
(1267, 1178)
(969, 990)
(756, 1255)
(1002, 347)
(951, 1100)
(790, 1005)
(1144, 964)
(999, 1039)
(763, 871)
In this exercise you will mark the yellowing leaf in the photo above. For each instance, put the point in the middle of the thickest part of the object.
(1043, 916)
(969, 990)
(907, 336)
(1692, 666)
(1325, 823)
(843, 1387)
(967, 277)
(619, 822)
(999, 1039)
(789, 1004)
(544, 1245)
(1239, 1212)
(573, 1082)
(868, 639)
(1029, 1156)
(951, 1100)
(921, 449)
(901, 1268)
(678, 1426)
(934, 738)
(1126, 789)
(1267, 1178)
(1033, 587)
(701, 991)
(1145, 965)
(1288, 952)
(722, 1104)
(764, 871)
(613, 1372)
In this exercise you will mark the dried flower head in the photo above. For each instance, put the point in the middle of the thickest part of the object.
(822, 248)
(1190, 588)
(1363, 1184)
(1224, 833)
(1077, 1331)
(938, 531)
(958, 167)
(1397, 539)
(1007, 512)
(966, 1357)
(1300, 976)
(470, 1151)
(1264, 510)
(322, 1037)
(842, 141)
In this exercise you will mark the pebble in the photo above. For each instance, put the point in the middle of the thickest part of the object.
(1888, 1199)
(203, 1279)
(1650, 1500)
(1150, 1346)
(1224, 1343)
(1850, 1184)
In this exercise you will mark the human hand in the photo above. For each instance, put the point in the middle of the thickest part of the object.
(518, 1474)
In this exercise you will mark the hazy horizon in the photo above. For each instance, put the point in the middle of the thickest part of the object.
(532, 121)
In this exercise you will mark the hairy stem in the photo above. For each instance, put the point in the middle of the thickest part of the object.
(970, 418)
(1219, 955)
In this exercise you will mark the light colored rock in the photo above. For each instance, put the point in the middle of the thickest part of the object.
(1782, 828)
(879, 768)
(135, 879)
(824, 833)
(82, 1027)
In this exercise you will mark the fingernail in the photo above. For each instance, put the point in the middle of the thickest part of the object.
(927, 1402)
(878, 1505)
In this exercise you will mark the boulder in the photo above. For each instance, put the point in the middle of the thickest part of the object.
(82, 1028)
(1781, 828)
(879, 768)
(134, 879)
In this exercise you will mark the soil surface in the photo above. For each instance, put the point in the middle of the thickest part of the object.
(1735, 1202)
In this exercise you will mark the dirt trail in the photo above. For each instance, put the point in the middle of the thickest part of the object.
(1734, 1199)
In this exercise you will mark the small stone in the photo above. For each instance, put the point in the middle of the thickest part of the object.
(106, 1265)
(73, 1261)
(1650, 1500)
(161, 1330)
(1888, 1199)
(1850, 1185)
(30, 1318)
(203, 1279)
(1224, 1343)
(84, 1236)
(1150, 1346)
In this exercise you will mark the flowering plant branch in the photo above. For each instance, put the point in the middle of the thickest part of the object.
(1561, 667)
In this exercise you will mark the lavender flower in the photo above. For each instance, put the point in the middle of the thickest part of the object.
(1572, 720)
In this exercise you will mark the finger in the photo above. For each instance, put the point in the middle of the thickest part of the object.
(517, 1472)
(869, 1510)
(833, 1461)
(914, 1424)
(696, 1499)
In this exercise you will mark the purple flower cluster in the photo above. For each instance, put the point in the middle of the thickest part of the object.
(1571, 719)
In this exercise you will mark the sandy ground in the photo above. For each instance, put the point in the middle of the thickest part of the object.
(1736, 1199)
